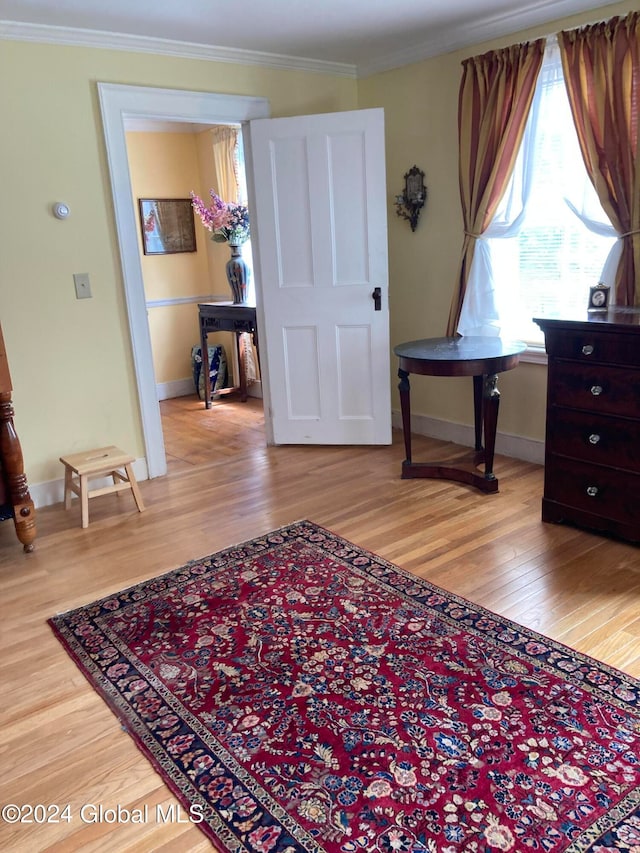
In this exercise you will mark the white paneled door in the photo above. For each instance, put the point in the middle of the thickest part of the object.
(320, 250)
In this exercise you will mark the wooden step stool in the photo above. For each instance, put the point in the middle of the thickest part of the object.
(105, 461)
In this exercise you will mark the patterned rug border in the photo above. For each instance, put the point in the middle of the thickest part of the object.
(622, 689)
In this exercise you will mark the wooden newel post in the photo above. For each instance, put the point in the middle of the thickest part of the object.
(12, 464)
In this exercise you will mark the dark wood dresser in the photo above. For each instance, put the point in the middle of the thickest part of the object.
(592, 449)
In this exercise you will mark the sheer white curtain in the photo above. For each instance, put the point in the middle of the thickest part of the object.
(591, 213)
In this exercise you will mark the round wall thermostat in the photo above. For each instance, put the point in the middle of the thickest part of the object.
(60, 210)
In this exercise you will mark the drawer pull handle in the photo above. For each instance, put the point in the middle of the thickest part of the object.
(587, 349)
(592, 491)
(594, 438)
(596, 390)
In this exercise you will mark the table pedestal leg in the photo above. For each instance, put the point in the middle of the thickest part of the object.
(491, 404)
(242, 367)
(478, 385)
(254, 337)
(405, 406)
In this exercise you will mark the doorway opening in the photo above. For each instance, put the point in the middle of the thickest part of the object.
(170, 160)
(120, 104)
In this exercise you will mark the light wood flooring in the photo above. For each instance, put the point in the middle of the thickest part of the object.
(60, 744)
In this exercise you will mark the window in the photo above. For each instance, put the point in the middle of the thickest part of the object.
(553, 237)
(242, 197)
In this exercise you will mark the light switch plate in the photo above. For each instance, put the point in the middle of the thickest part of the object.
(83, 287)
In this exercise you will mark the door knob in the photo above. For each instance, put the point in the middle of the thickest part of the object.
(377, 298)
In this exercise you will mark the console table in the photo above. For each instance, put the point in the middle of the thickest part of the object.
(482, 358)
(227, 317)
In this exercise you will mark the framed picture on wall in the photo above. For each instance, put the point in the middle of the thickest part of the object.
(167, 225)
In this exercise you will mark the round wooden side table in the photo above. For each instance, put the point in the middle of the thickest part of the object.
(479, 357)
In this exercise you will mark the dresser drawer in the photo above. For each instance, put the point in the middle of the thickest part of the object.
(594, 346)
(595, 388)
(601, 491)
(598, 439)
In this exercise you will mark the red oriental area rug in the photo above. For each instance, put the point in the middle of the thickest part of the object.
(306, 695)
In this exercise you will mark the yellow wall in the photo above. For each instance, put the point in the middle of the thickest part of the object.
(71, 362)
(165, 165)
(171, 165)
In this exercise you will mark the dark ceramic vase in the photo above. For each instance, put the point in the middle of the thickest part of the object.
(237, 275)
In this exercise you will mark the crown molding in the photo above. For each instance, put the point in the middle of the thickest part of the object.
(465, 35)
(494, 26)
(10, 30)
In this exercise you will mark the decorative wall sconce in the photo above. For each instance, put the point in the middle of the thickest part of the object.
(411, 201)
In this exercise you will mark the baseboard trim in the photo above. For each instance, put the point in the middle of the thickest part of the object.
(528, 449)
(175, 388)
(515, 446)
(255, 389)
(185, 388)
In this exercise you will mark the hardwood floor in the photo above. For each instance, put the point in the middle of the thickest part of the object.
(60, 744)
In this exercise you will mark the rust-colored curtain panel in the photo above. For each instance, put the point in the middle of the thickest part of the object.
(601, 66)
(493, 105)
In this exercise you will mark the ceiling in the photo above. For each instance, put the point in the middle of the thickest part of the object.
(353, 37)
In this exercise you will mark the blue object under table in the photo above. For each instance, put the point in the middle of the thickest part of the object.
(217, 370)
